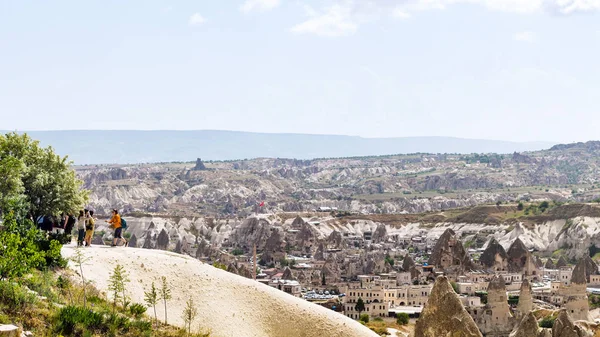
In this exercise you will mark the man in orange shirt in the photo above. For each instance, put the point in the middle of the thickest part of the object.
(115, 222)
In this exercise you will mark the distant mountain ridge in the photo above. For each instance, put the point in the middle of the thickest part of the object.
(131, 147)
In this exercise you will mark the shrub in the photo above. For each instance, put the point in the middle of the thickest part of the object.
(72, 320)
(364, 318)
(141, 325)
(15, 297)
(377, 319)
(117, 322)
(547, 322)
(237, 252)
(137, 310)
(41, 283)
(402, 318)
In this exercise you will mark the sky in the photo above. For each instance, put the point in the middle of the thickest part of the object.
(519, 70)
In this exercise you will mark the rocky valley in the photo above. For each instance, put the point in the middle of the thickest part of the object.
(413, 183)
(508, 226)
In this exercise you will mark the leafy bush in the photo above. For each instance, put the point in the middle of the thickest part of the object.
(237, 252)
(137, 310)
(15, 297)
(117, 322)
(547, 322)
(402, 318)
(364, 318)
(72, 320)
(377, 319)
(42, 283)
(141, 325)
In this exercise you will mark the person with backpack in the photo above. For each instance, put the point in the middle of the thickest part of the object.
(115, 222)
(89, 229)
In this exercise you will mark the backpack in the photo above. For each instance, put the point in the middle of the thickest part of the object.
(123, 223)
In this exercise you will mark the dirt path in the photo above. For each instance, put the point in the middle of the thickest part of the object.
(228, 305)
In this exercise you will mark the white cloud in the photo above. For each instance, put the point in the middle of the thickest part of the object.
(259, 5)
(196, 19)
(333, 21)
(343, 17)
(567, 7)
(526, 36)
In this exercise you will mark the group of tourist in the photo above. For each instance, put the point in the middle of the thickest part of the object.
(86, 224)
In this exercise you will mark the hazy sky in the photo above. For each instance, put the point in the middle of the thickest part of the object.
(495, 69)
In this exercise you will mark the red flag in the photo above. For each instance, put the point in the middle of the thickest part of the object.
(262, 204)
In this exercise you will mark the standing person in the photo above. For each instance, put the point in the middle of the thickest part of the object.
(81, 219)
(89, 229)
(60, 224)
(71, 221)
(115, 222)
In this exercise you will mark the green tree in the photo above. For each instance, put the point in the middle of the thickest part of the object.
(35, 179)
(19, 251)
(165, 294)
(189, 314)
(117, 285)
(402, 318)
(389, 260)
(323, 281)
(151, 299)
(364, 318)
(547, 322)
(360, 306)
(454, 286)
(520, 206)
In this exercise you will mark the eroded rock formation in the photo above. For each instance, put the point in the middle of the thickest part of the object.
(444, 314)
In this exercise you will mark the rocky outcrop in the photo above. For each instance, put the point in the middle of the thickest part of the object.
(133, 241)
(287, 274)
(591, 268)
(97, 240)
(245, 272)
(306, 238)
(320, 252)
(449, 252)
(379, 234)
(564, 327)
(517, 256)
(528, 327)
(252, 231)
(232, 269)
(579, 273)
(298, 222)
(199, 165)
(538, 262)
(549, 264)
(562, 262)
(408, 265)
(162, 242)
(274, 249)
(335, 240)
(444, 314)
(497, 319)
(525, 304)
(576, 300)
(494, 256)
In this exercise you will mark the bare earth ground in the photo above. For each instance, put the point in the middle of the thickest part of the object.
(228, 304)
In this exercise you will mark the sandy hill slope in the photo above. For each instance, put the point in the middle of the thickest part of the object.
(228, 305)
